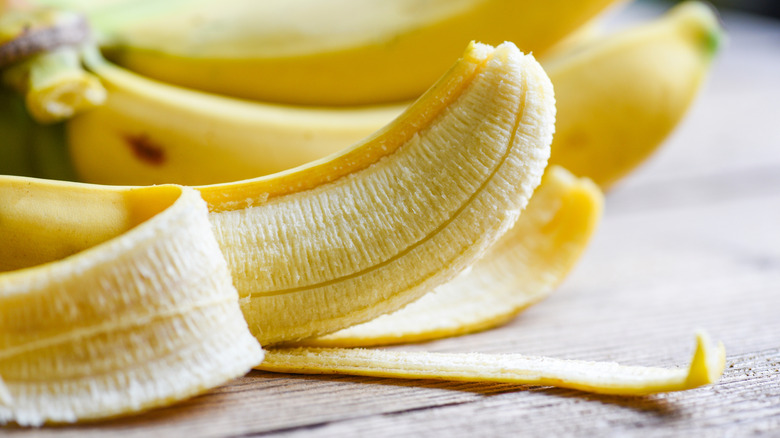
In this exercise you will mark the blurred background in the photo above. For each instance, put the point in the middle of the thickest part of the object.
(763, 7)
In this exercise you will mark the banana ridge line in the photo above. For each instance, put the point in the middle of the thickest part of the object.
(518, 117)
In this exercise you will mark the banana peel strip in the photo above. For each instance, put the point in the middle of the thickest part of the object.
(522, 268)
(706, 367)
(142, 320)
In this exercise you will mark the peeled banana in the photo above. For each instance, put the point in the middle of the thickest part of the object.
(359, 234)
(349, 52)
(142, 314)
(617, 98)
(342, 240)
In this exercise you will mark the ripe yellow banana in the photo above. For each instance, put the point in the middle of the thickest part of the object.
(620, 97)
(349, 52)
(362, 233)
(617, 98)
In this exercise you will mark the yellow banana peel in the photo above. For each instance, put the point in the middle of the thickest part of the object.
(706, 367)
(309, 52)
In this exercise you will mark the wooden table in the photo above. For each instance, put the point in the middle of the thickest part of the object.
(691, 240)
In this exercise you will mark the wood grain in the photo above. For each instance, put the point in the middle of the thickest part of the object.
(691, 240)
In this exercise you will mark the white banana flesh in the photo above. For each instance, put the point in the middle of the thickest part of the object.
(144, 319)
(437, 196)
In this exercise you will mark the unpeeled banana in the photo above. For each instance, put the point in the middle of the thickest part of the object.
(349, 52)
(618, 97)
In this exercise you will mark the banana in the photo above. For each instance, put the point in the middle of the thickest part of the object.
(141, 315)
(391, 217)
(344, 239)
(309, 52)
(521, 268)
(617, 98)
(149, 133)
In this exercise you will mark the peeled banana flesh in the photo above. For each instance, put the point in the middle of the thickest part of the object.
(138, 317)
(362, 233)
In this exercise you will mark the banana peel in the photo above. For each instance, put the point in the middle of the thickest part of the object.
(707, 365)
(306, 52)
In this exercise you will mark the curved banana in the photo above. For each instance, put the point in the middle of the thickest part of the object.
(617, 98)
(141, 315)
(521, 268)
(149, 132)
(347, 238)
(320, 53)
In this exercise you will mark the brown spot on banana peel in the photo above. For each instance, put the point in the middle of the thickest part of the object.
(145, 149)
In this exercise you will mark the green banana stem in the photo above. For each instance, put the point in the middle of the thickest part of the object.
(55, 84)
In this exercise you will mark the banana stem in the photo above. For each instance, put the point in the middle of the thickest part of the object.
(55, 85)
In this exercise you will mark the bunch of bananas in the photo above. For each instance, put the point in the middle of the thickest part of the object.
(402, 221)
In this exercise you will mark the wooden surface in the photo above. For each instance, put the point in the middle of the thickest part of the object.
(691, 240)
